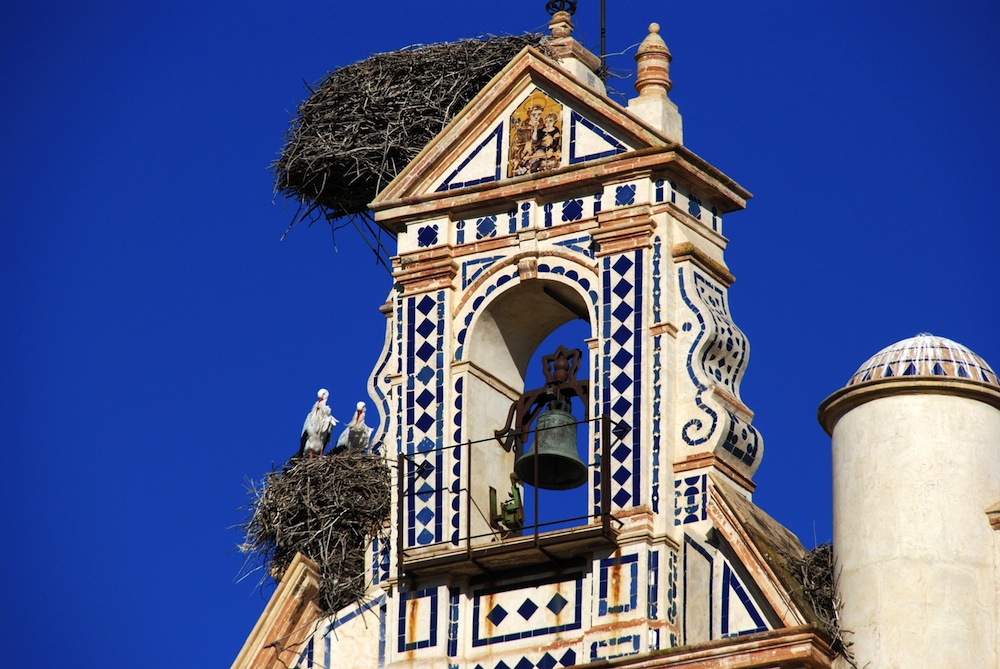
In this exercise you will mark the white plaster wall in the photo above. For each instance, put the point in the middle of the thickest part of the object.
(353, 645)
(489, 465)
(913, 475)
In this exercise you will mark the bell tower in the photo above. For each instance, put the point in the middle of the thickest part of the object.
(544, 202)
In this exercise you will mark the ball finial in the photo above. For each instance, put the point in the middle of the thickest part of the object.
(654, 28)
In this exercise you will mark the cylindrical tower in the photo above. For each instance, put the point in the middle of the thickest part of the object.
(916, 464)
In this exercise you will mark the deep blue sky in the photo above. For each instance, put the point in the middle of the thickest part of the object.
(161, 344)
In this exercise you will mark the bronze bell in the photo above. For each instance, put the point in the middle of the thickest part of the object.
(559, 465)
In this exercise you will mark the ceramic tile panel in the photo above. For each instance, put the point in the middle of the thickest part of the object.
(615, 646)
(697, 592)
(535, 135)
(739, 614)
(424, 406)
(472, 269)
(621, 372)
(690, 499)
(527, 610)
(618, 585)
(418, 623)
(716, 357)
(481, 165)
(588, 141)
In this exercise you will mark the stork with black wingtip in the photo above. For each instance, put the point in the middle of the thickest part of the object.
(354, 439)
(317, 428)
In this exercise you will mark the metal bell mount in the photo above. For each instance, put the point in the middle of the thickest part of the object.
(552, 462)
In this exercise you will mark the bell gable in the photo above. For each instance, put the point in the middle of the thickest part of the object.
(532, 119)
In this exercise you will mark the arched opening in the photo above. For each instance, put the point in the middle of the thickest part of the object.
(558, 509)
(509, 336)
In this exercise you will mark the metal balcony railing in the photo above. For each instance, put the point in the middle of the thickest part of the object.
(498, 549)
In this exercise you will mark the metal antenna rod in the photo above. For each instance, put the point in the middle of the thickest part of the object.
(604, 45)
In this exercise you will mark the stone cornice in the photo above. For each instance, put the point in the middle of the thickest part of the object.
(687, 251)
(710, 460)
(801, 647)
(993, 514)
(672, 162)
(624, 229)
(732, 402)
(839, 403)
(424, 271)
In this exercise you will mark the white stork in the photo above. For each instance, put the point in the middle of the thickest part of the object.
(354, 439)
(317, 428)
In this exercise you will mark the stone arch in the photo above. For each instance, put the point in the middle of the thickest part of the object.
(504, 325)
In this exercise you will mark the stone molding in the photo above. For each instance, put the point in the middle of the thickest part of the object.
(993, 513)
(425, 271)
(833, 408)
(712, 461)
(687, 251)
(799, 647)
(288, 620)
(624, 229)
(670, 162)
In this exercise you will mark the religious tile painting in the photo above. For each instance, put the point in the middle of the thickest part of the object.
(535, 135)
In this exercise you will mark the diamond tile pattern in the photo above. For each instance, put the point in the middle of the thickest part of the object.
(427, 236)
(423, 346)
(497, 615)
(546, 661)
(624, 195)
(572, 210)
(557, 603)
(621, 367)
(547, 606)
(527, 609)
(486, 227)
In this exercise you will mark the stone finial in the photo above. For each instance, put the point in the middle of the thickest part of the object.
(561, 25)
(652, 82)
(653, 60)
(572, 55)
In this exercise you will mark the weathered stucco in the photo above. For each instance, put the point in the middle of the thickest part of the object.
(913, 476)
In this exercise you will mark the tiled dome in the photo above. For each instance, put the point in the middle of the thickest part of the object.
(925, 355)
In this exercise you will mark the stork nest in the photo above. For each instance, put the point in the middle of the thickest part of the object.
(364, 122)
(327, 509)
(815, 571)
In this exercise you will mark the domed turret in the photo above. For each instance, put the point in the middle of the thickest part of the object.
(916, 435)
(925, 355)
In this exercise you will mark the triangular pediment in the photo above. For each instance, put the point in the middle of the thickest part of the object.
(532, 120)
(763, 550)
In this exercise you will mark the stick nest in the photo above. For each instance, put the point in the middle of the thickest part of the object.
(815, 571)
(327, 509)
(364, 122)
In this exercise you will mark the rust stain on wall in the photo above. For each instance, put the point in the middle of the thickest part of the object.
(559, 616)
(412, 609)
(490, 603)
